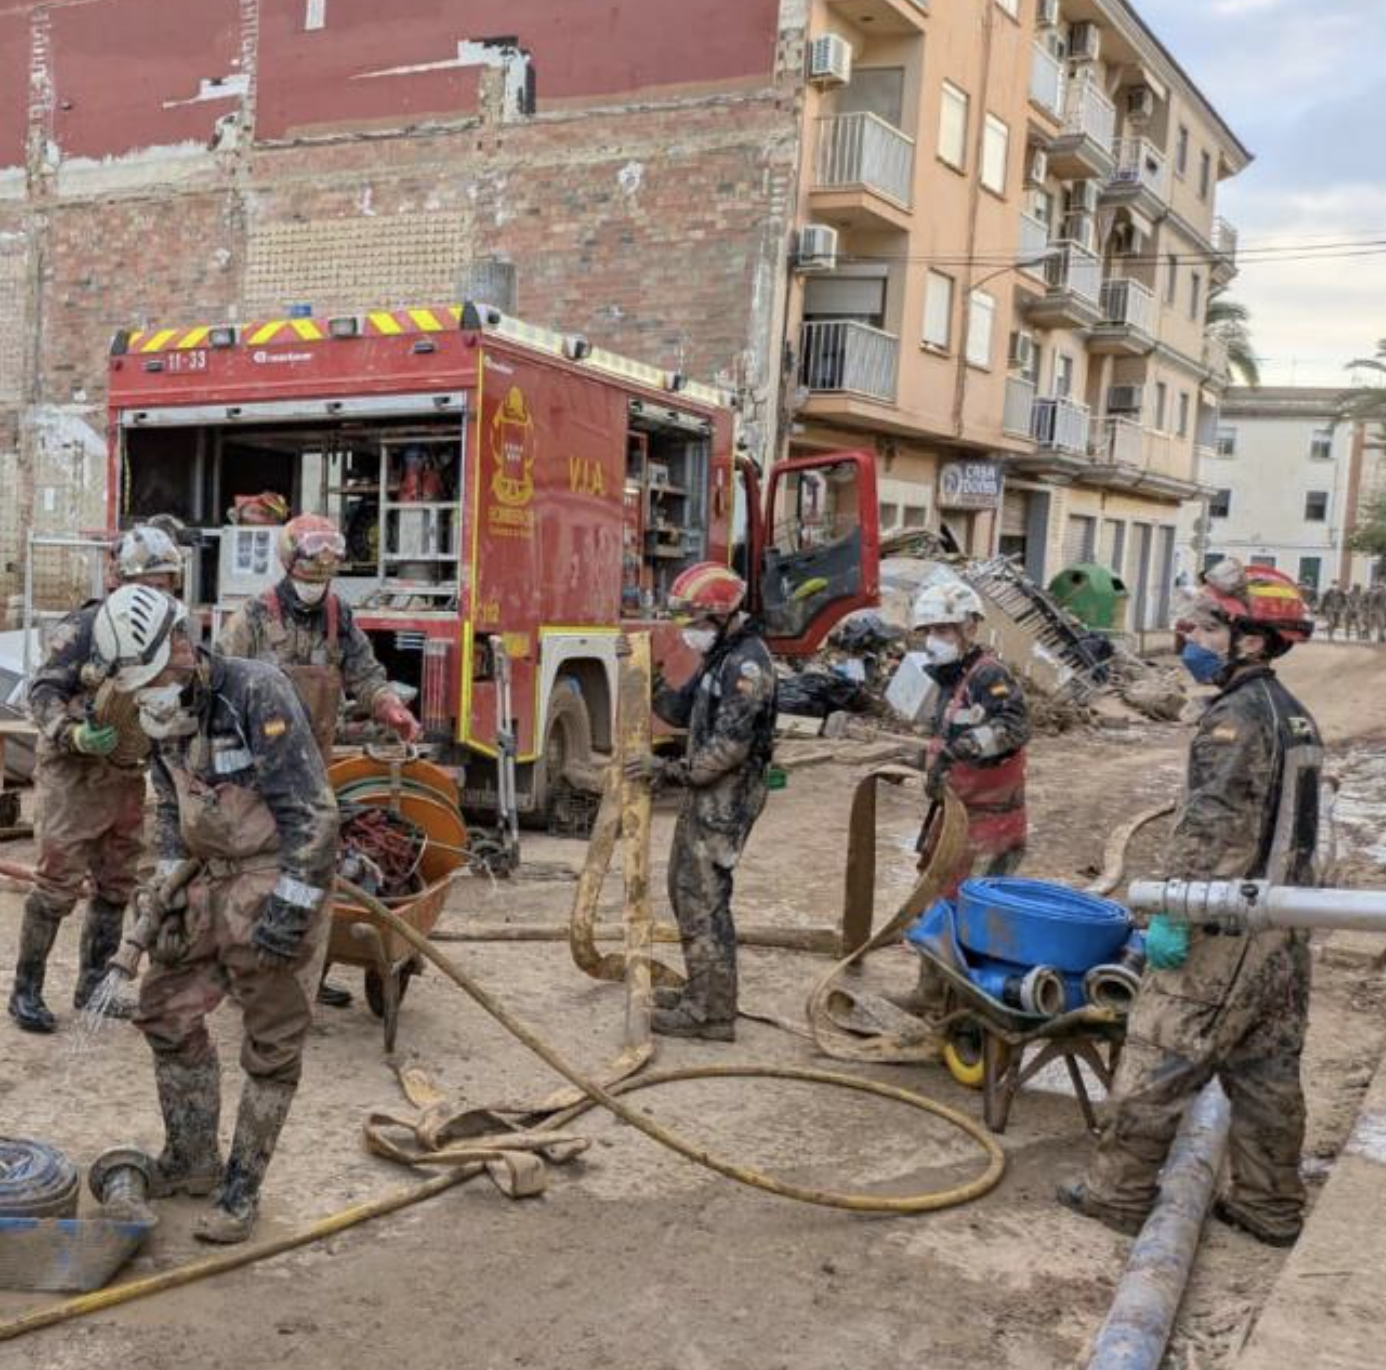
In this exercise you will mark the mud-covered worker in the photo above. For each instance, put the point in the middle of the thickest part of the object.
(1216, 1004)
(728, 707)
(1354, 613)
(310, 633)
(89, 783)
(240, 786)
(978, 732)
(1331, 606)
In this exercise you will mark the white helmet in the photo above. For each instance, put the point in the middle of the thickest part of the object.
(131, 634)
(949, 602)
(147, 551)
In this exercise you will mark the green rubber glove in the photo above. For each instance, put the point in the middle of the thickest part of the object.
(91, 740)
(1166, 943)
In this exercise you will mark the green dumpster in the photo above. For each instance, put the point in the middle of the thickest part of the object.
(1095, 595)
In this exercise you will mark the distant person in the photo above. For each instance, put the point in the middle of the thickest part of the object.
(1332, 606)
(1354, 613)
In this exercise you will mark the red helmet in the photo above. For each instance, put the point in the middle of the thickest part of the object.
(707, 588)
(311, 548)
(1259, 599)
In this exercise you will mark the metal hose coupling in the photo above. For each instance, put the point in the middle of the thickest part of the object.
(1112, 987)
(120, 1179)
(1257, 905)
(1039, 990)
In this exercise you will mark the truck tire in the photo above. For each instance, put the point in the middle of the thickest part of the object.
(567, 745)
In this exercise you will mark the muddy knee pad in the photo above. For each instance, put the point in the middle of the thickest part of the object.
(48, 904)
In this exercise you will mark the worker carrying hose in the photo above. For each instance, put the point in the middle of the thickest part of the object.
(239, 786)
(728, 707)
(89, 779)
(311, 635)
(1214, 1003)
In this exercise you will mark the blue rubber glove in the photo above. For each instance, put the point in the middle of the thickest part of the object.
(1166, 943)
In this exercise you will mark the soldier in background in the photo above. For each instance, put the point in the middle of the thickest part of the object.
(1332, 606)
(1354, 614)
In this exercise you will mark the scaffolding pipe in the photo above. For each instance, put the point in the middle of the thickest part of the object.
(1257, 905)
(1142, 1314)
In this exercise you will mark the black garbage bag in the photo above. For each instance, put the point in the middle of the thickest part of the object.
(816, 694)
(865, 631)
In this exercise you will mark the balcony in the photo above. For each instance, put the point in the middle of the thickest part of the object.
(1119, 443)
(1224, 251)
(1127, 326)
(1047, 83)
(1132, 457)
(843, 357)
(1216, 361)
(863, 174)
(1018, 414)
(1140, 177)
(1073, 288)
(1034, 247)
(1060, 424)
(1083, 147)
(883, 16)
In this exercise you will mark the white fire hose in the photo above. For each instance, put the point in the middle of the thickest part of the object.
(1257, 905)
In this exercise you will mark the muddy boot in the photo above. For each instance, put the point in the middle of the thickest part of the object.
(1075, 1195)
(101, 932)
(706, 1008)
(36, 937)
(668, 998)
(1229, 1211)
(264, 1107)
(333, 996)
(190, 1099)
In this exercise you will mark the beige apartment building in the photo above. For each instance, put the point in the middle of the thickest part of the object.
(1007, 241)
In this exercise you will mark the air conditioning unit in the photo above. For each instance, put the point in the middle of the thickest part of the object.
(1128, 240)
(1140, 104)
(1024, 351)
(1125, 399)
(1047, 15)
(1083, 197)
(817, 248)
(1084, 43)
(829, 61)
(1036, 167)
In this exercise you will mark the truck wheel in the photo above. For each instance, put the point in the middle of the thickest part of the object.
(567, 744)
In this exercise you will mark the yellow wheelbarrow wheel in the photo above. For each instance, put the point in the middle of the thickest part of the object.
(964, 1057)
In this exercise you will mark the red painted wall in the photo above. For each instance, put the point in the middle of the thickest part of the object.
(14, 87)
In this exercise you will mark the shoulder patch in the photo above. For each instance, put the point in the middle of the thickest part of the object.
(276, 727)
(750, 671)
(1224, 732)
(1000, 689)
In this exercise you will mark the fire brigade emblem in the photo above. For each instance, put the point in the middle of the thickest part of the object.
(512, 446)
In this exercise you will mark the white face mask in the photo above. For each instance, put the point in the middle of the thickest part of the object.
(941, 651)
(310, 591)
(162, 713)
(701, 640)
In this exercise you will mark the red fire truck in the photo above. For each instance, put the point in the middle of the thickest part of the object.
(496, 483)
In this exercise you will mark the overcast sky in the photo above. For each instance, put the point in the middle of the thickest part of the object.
(1303, 84)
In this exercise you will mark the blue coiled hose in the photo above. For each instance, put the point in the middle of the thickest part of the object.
(36, 1181)
(1036, 923)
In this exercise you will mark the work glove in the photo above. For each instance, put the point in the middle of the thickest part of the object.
(279, 932)
(171, 943)
(391, 713)
(645, 767)
(1166, 943)
(91, 739)
(964, 747)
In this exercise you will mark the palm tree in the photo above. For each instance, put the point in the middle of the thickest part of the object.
(1366, 404)
(1229, 321)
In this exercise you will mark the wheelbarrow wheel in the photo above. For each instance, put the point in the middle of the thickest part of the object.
(375, 989)
(964, 1056)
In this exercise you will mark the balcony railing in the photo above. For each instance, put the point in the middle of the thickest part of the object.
(1071, 267)
(1034, 244)
(1060, 424)
(1215, 358)
(1087, 110)
(1047, 81)
(1016, 417)
(1119, 442)
(1128, 304)
(864, 150)
(1140, 163)
(841, 356)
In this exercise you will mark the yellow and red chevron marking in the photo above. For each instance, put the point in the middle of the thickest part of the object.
(380, 323)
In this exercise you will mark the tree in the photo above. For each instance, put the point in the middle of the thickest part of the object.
(1229, 321)
(1366, 404)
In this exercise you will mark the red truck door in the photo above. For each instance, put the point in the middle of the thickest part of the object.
(815, 554)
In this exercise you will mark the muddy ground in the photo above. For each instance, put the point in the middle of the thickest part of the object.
(635, 1258)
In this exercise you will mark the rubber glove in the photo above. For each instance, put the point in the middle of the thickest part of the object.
(645, 766)
(91, 740)
(1166, 943)
(391, 713)
(279, 932)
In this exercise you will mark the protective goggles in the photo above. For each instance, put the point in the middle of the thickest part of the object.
(321, 545)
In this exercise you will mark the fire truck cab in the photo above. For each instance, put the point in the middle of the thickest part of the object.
(496, 483)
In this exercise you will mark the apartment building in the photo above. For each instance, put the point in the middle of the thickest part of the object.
(1285, 487)
(1008, 238)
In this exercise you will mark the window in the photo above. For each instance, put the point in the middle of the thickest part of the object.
(1321, 444)
(1316, 506)
(952, 127)
(916, 516)
(1227, 442)
(1220, 506)
(938, 310)
(980, 321)
(1268, 562)
(1181, 151)
(1310, 571)
(875, 90)
(1195, 294)
(1161, 405)
(996, 138)
(1211, 559)
(1205, 174)
(1172, 280)
(1063, 375)
(1182, 425)
(890, 516)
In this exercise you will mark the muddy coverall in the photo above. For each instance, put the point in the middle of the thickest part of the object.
(1331, 606)
(318, 646)
(728, 708)
(1376, 612)
(979, 731)
(1237, 1008)
(89, 813)
(1354, 613)
(246, 794)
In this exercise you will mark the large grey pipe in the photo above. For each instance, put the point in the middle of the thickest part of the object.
(1147, 1300)
(1256, 905)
